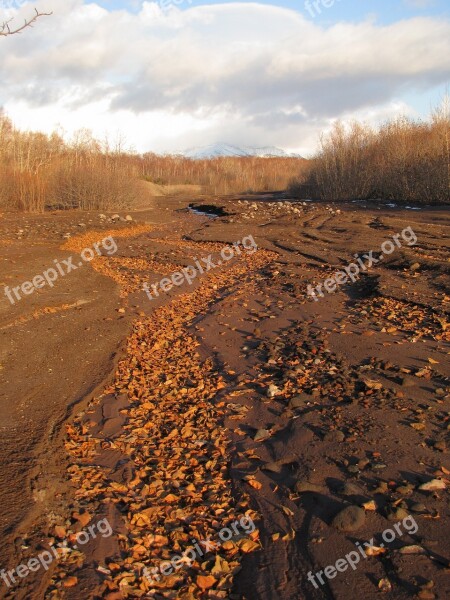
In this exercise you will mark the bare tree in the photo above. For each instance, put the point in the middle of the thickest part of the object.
(5, 27)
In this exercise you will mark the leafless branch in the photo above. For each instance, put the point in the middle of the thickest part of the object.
(5, 28)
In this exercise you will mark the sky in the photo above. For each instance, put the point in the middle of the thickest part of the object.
(174, 74)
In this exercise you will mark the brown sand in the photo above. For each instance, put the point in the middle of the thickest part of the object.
(361, 376)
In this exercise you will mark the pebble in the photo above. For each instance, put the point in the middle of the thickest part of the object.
(426, 595)
(441, 445)
(261, 434)
(431, 486)
(405, 490)
(273, 467)
(397, 514)
(273, 391)
(418, 507)
(351, 489)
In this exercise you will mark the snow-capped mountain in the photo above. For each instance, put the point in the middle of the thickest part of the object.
(221, 149)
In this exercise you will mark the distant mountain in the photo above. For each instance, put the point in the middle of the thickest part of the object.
(221, 149)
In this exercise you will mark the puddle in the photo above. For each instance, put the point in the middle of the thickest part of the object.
(208, 210)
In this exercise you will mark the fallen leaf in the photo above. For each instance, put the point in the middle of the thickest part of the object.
(205, 582)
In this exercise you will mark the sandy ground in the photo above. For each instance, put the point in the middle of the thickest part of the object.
(316, 405)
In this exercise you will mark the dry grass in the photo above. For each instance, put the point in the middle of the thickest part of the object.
(39, 172)
(404, 160)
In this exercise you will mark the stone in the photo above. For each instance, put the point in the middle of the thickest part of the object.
(273, 467)
(351, 489)
(441, 445)
(273, 391)
(299, 401)
(418, 507)
(349, 519)
(261, 434)
(398, 514)
(433, 485)
(302, 487)
(334, 436)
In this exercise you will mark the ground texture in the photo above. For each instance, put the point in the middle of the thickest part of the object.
(239, 396)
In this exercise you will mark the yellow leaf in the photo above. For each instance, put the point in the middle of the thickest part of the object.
(255, 484)
(247, 546)
(205, 582)
(374, 551)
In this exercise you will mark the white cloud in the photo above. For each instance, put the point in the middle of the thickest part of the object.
(245, 73)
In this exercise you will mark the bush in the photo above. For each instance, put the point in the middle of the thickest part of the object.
(404, 160)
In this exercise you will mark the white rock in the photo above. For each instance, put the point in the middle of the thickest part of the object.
(434, 484)
(273, 391)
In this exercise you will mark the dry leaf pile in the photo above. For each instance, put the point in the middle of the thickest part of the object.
(174, 485)
(393, 315)
(131, 273)
(87, 240)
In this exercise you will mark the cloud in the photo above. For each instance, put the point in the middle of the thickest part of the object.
(258, 72)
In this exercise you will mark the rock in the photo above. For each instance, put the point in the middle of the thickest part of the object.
(412, 550)
(404, 490)
(441, 445)
(302, 487)
(418, 507)
(398, 514)
(433, 485)
(415, 266)
(273, 391)
(351, 489)
(115, 217)
(334, 436)
(382, 488)
(425, 595)
(349, 519)
(423, 373)
(273, 467)
(300, 400)
(261, 434)
(128, 218)
(418, 426)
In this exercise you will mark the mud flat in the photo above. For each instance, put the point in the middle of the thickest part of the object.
(237, 396)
